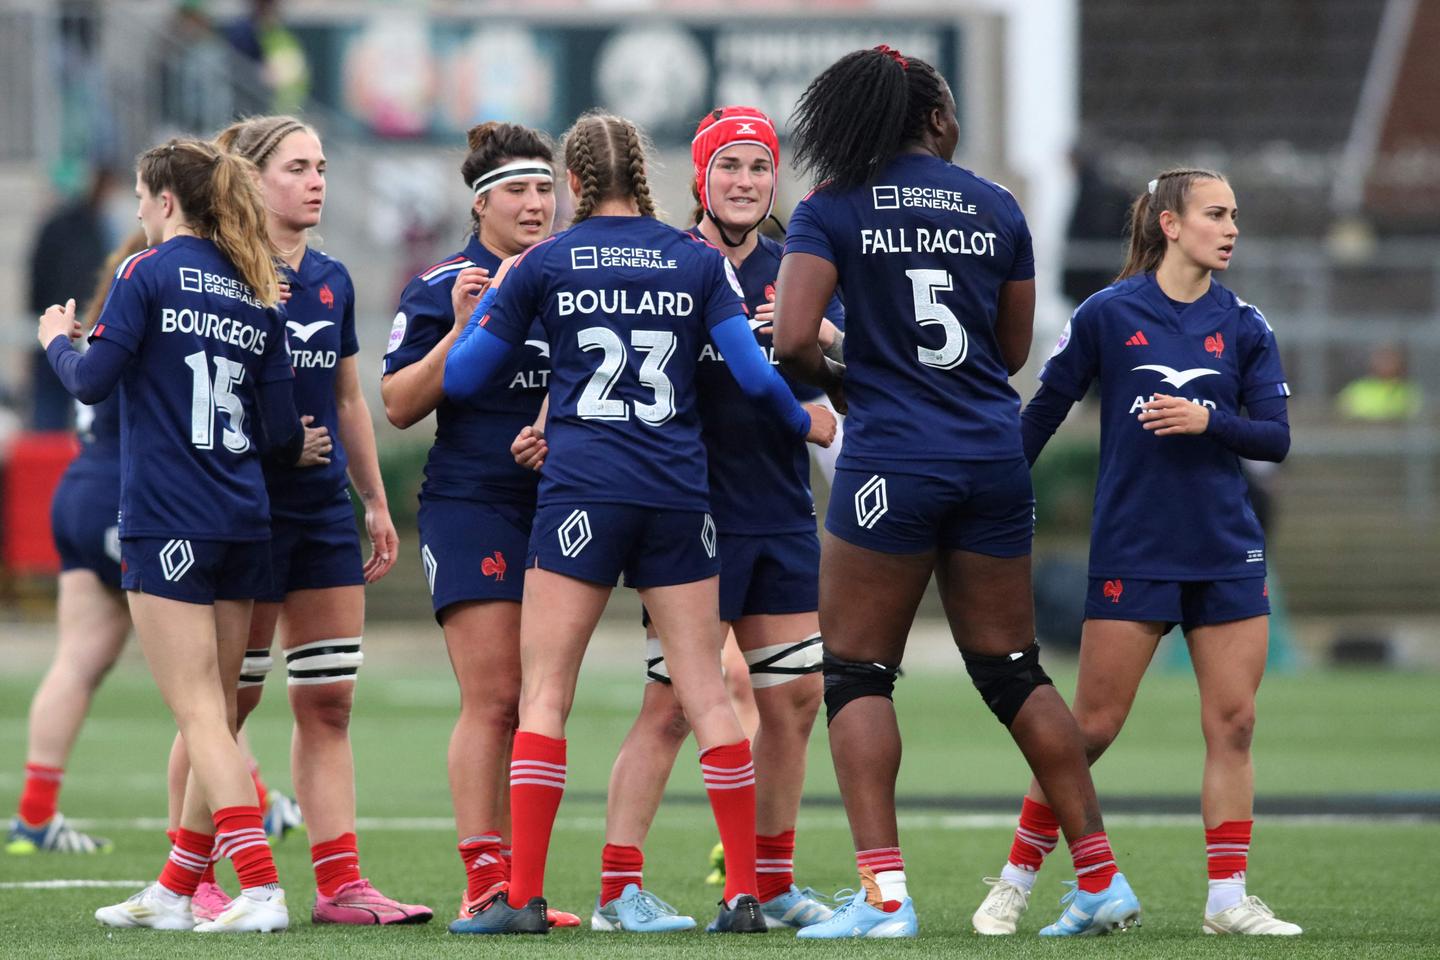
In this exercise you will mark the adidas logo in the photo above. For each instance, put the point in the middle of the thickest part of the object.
(1138, 340)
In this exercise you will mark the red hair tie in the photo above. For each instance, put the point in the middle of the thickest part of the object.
(893, 54)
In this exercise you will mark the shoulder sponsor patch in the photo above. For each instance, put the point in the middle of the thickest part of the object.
(397, 332)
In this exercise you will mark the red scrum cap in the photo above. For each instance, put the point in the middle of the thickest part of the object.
(724, 127)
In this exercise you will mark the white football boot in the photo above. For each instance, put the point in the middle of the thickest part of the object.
(153, 907)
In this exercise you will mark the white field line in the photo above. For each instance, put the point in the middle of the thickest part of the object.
(835, 821)
(70, 884)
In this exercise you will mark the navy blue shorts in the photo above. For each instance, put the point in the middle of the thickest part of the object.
(600, 541)
(306, 556)
(775, 573)
(1190, 603)
(196, 571)
(469, 549)
(982, 506)
(85, 521)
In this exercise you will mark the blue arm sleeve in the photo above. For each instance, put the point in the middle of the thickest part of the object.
(1264, 435)
(284, 434)
(90, 376)
(482, 307)
(753, 372)
(1040, 419)
(474, 359)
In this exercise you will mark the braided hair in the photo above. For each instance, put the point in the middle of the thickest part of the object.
(861, 111)
(607, 154)
(1169, 191)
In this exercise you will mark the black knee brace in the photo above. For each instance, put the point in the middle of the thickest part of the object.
(846, 680)
(1006, 682)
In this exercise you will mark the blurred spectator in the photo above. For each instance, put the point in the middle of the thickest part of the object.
(65, 259)
(1101, 213)
(1385, 393)
(275, 56)
(195, 74)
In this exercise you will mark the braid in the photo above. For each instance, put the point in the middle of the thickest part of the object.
(861, 111)
(580, 157)
(639, 183)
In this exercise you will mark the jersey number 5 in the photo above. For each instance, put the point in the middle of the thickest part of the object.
(925, 284)
(205, 397)
(658, 347)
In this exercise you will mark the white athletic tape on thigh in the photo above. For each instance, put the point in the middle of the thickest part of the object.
(783, 662)
(257, 663)
(325, 661)
(655, 669)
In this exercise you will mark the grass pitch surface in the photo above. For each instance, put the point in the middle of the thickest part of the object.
(1358, 884)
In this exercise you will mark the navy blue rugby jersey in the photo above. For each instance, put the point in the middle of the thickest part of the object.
(98, 427)
(1168, 508)
(202, 343)
(921, 254)
(626, 303)
(320, 324)
(759, 470)
(471, 456)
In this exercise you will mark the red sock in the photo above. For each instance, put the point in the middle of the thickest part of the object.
(774, 864)
(240, 835)
(336, 863)
(1036, 835)
(1094, 862)
(619, 867)
(1227, 848)
(508, 856)
(484, 867)
(41, 791)
(262, 792)
(886, 867)
(729, 774)
(189, 856)
(537, 782)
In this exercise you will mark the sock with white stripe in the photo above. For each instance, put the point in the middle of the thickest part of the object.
(620, 866)
(1094, 862)
(537, 782)
(189, 856)
(1036, 835)
(336, 863)
(1227, 853)
(774, 864)
(484, 865)
(729, 773)
(240, 836)
(884, 869)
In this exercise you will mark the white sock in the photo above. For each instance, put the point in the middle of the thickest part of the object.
(263, 893)
(892, 885)
(1224, 894)
(1022, 877)
(169, 897)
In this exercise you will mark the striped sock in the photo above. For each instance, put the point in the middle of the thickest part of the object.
(40, 794)
(882, 874)
(729, 774)
(1227, 852)
(774, 864)
(1094, 862)
(240, 836)
(620, 866)
(336, 863)
(1035, 836)
(189, 856)
(484, 866)
(537, 782)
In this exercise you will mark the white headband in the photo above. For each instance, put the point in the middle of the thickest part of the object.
(514, 170)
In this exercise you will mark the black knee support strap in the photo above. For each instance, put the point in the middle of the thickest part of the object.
(847, 680)
(1007, 682)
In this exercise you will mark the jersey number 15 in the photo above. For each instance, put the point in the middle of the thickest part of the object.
(206, 396)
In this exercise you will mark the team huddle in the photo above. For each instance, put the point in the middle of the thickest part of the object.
(627, 398)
